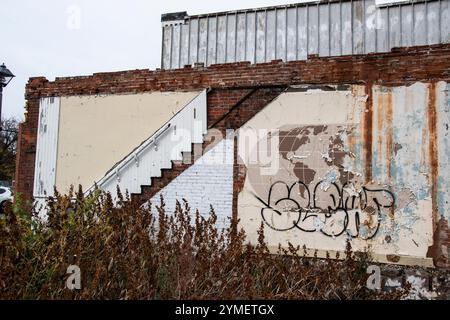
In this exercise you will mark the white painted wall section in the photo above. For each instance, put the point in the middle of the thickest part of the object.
(46, 149)
(207, 182)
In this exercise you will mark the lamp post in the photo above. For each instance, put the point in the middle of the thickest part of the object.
(5, 77)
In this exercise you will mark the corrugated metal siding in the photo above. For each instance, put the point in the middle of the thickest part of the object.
(295, 31)
(46, 149)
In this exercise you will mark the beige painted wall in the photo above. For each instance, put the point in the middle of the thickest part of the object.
(328, 126)
(96, 132)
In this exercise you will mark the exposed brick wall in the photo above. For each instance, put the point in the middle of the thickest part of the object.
(232, 84)
(26, 151)
(237, 108)
(221, 101)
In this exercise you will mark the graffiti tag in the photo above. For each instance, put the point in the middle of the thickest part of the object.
(329, 209)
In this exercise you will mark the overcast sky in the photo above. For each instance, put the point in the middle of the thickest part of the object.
(45, 37)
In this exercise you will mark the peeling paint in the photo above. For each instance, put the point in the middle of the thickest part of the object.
(433, 140)
(367, 129)
(398, 157)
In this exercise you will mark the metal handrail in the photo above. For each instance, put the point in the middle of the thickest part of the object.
(131, 156)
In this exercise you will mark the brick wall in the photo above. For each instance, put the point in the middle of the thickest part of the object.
(26, 150)
(240, 90)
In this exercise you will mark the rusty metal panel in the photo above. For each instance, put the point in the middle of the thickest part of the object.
(46, 149)
(292, 32)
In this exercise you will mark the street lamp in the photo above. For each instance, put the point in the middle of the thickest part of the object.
(5, 77)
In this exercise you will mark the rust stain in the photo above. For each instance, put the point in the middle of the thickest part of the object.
(433, 147)
(380, 124)
(368, 123)
(393, 258)
(351, 144)
(389, 132)
(389, 142)
(352, 137)
(425, 147)
(439, 251)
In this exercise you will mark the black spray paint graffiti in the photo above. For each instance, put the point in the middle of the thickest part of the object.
(332, 210)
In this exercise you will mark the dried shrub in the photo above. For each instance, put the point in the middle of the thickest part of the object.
(126, 251)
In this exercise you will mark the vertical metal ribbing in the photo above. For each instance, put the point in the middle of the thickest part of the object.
(285, 33)
(376, 29)
(426, 24)
(388, 29)
(329, 29)
(235, 37)
(162, 49)
(57, 137)
(245, 37)
(340, 29)
(400, 13)
(265, 36)
(351, 25)
(179, 45)
(413, 38)
(226, 39)
(364, 26)
(276, 33)
(256, 29)
(296, 32)
(307, 31)
(318, 29)
(263, 50)
(171, 45)
(198, 40)
(189, 41)
(440, 21)
(217, 40)
(207, 41)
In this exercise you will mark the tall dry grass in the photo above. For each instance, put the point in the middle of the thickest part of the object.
(129, 252)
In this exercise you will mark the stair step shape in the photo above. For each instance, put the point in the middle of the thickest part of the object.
(159, 151)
